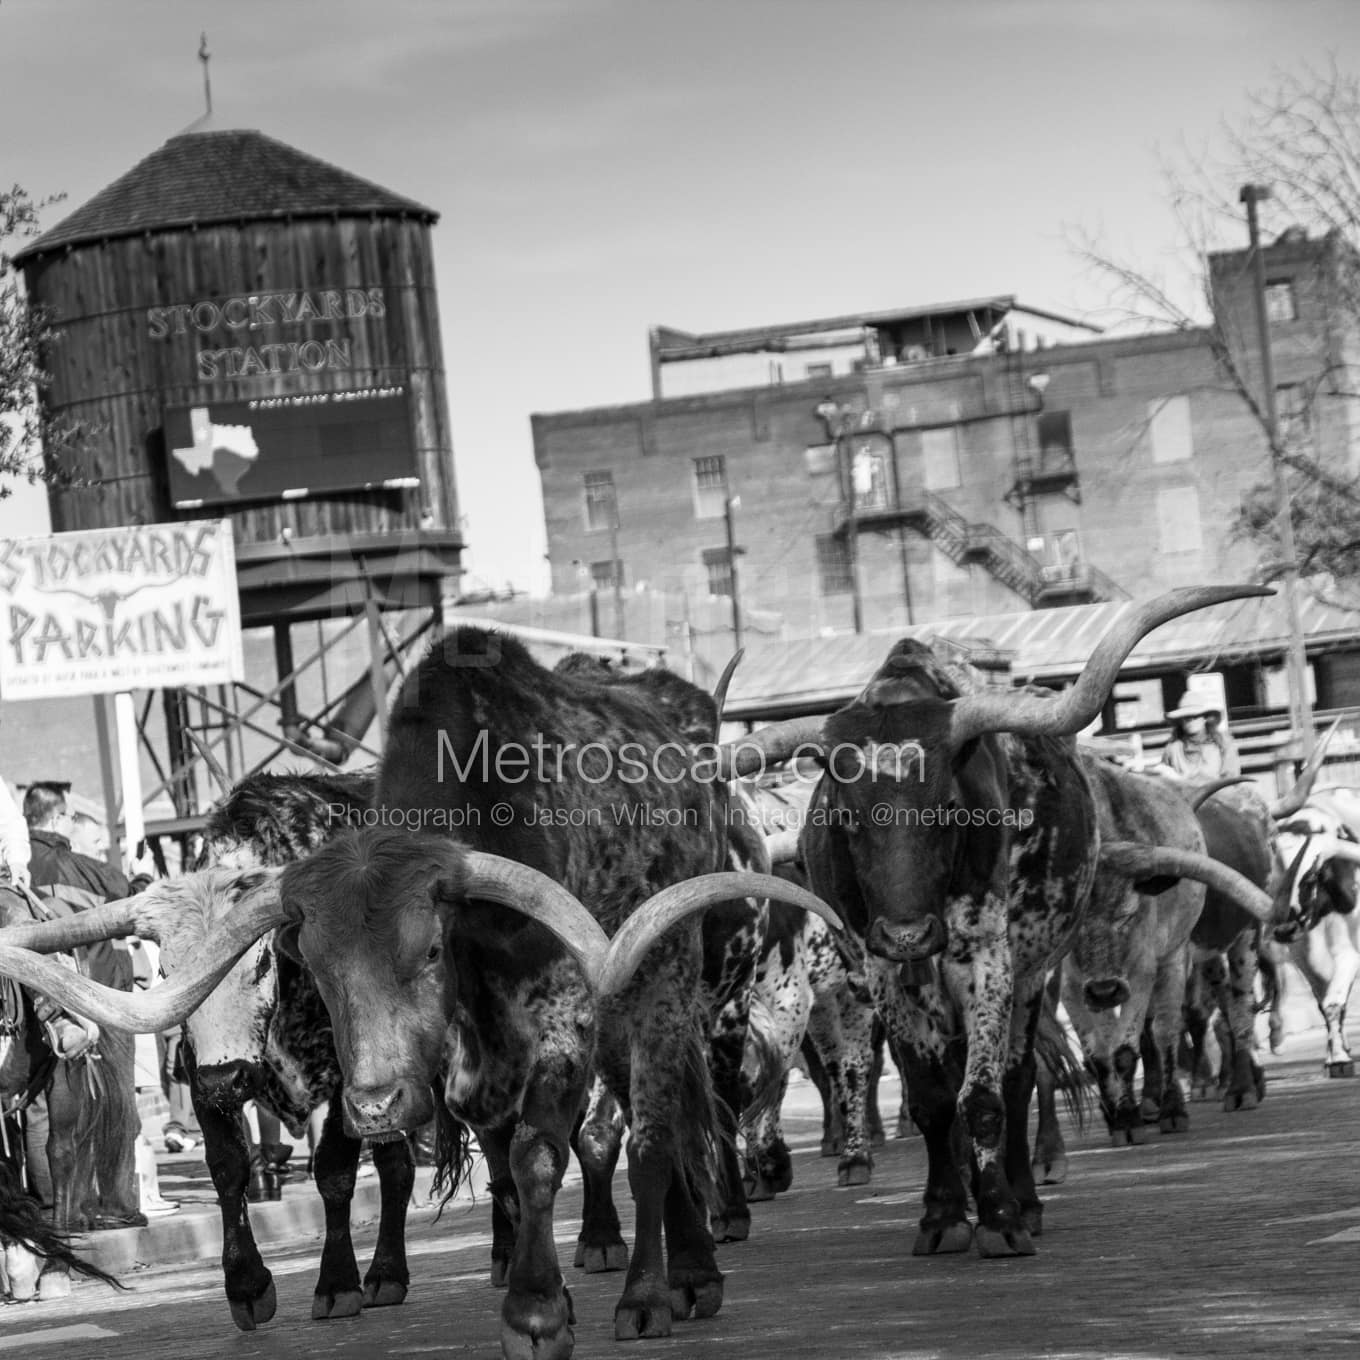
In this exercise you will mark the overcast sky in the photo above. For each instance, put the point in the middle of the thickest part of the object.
(601, 166)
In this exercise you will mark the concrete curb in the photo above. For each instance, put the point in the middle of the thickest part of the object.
(194, 1233)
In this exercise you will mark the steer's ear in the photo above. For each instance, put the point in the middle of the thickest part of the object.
(286, 941)
(449, 887)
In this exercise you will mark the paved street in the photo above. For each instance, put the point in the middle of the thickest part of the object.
(1241, 1238)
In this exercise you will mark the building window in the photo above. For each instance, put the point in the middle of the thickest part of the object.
(833, 564)
(1169, 430)
(1295, 416)
(601, 503)
(718, 564)
(603, 575)
(940, 458)
(820, 460)
(1055, 439)
(869, 470)
(819, 370)
(1178, 522)
(710, 487)
(1281, 302)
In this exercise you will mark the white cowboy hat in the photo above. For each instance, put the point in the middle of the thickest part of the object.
(1194, 705)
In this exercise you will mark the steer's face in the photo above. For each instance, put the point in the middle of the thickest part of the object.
(369, 929)
(920, 821)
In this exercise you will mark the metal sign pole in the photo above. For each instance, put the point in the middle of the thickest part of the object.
(134, 825)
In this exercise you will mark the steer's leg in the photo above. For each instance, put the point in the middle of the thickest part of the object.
(727, 1045)
(537, 1316)
(1246, 1082)
(334, 1167)
(598, 1142)
(931, 1055)
(1163, 1028)
(986, 987)
(249, 1285)
(1339, 971)
(1049, 1164)
(388, 1276)
(673, 1125)
(1017, 1089)
(841, 1029)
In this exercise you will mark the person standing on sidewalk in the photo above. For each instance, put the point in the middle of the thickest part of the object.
(68, 882)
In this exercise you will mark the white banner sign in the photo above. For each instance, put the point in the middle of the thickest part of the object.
(102, 610)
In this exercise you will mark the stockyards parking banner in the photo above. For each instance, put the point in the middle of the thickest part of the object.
(97, 611)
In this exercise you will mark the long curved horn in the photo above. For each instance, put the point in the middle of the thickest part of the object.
(214, 765)
(511, 884)
(670, 906)
(997, 710)
(1203, 795)
(1303, 785)
(720, 689)
(1133, 859)
(758, 750)
(166, 1006)
(1333, 847)
(108, 921)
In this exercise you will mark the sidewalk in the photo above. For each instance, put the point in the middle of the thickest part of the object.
(194, 1231)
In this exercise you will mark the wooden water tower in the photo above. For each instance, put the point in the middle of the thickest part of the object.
(252, 332)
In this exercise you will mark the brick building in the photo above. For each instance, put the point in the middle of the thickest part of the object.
(973, 459)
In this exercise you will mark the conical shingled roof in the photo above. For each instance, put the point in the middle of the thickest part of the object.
(201, 178)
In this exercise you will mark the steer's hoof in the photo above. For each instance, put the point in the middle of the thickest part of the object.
(537, 1328)
(344, 1303)
(1051, 1172)
(1032, 1216)
(248, 1314)
(383, 1293)
(943, 1241)
(730, 1227)
(1137, 1134)
(1240, 1100)
(1150, 1110)
(831, 1147)
(905, 1128)
(696, 1300)
(1178, 1122)
(634, 1321)
(500, 1269)
(600, 1260)
(56, 1284)
(995, 1242)
(1341, 1069)
(759, 1191)
(855, 1171)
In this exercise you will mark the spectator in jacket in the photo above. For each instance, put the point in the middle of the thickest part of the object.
(1199, 750)
(14, 842)
(69, 882)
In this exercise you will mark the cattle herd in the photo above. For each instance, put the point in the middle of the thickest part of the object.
(562, 917)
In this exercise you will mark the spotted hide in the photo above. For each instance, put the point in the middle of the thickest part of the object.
(1129, 959)
(424, 982)
(1320, 847)
(264, 1035)
(733, 938)
(1238, 831)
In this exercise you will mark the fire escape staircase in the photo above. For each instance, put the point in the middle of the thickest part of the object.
(965, 542)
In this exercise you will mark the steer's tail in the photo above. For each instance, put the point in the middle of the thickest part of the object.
(1053, 1048)
(22, 1221)
(699, 1131)
(452, 1154)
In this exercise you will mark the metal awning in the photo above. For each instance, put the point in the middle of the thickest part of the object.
(817, 674)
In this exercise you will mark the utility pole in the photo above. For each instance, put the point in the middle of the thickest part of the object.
(729, 502)
(1300, 705)
(616, 569)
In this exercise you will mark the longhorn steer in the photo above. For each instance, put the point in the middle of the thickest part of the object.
(733, 939)
(475, 970)
(1320, 845)
(1130, 954)
(959, 840)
